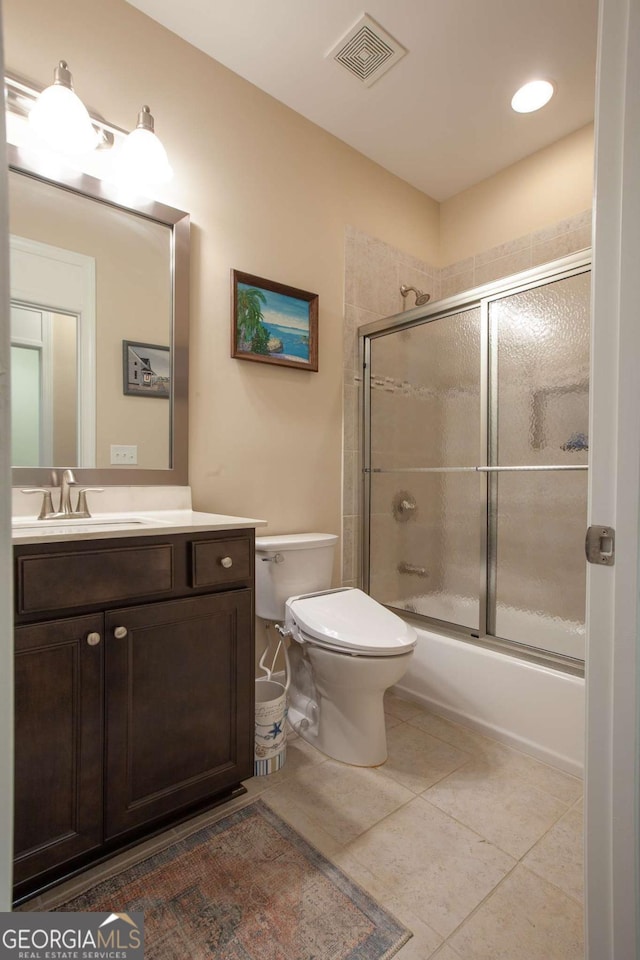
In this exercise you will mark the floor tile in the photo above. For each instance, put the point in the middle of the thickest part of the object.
(423, 942)
(390, 721)
(307, 826)
(418, 760)
(300, 754)
(34, 904)
(445, 953)
(558, 856)
(343, 800)
(401, 709)
(499, 757)
(561, 785)
(437, 868)
(503, 809)
(526, 918)
(444, 861)
(454, 733)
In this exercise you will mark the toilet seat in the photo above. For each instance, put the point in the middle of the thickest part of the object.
(349, 621)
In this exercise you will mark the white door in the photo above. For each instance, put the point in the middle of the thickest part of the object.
(613, 701)
(63, 282)
(31, 388)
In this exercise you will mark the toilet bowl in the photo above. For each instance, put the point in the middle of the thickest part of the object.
(345, 649)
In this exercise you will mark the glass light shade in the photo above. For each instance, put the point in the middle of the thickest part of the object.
(532, 96)
(60, 119)
(142, 160)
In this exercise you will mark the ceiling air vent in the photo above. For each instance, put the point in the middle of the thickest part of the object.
(367, 51)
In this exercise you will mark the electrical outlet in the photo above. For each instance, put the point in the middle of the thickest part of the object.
(124, 454)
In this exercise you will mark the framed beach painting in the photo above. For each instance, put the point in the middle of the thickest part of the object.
(273, 323)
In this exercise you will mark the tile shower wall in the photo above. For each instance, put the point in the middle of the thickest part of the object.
(559, 240)
(374, 272)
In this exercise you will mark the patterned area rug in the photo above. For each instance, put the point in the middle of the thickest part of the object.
(247, 888)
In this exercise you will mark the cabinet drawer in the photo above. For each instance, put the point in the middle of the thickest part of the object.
(61, 581)
(220, 562)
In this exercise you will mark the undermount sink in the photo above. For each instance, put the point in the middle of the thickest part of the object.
(71, 524)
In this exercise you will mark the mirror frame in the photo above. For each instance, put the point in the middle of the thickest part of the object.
(177, 474)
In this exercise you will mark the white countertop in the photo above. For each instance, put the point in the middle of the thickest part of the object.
(126, 512)
(103, 526)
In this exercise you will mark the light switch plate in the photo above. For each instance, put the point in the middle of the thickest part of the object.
(123, 454)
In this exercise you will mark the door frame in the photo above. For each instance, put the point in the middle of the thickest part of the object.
(612, 834)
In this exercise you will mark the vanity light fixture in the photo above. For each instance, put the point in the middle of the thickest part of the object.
(142, 157)
(56, 118)
(59, 117)
(532, 96)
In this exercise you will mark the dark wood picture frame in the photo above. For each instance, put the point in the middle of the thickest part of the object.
(139, 378)
(286, 344)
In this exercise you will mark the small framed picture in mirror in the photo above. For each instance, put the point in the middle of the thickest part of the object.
(146, 369)
(273, 323)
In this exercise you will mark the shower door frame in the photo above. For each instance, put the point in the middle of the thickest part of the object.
(481, 298)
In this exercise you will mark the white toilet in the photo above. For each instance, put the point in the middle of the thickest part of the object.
(347, 649)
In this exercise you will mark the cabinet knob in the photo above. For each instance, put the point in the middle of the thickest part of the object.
(93, 639)
(226, 562)
(120, 632)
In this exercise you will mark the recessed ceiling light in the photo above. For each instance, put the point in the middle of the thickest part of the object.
(532, 96)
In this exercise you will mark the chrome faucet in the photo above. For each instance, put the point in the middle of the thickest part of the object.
(65, 509)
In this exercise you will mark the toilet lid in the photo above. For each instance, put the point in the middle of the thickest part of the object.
(350, 620)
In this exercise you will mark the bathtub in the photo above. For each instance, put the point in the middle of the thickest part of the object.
(534, 708)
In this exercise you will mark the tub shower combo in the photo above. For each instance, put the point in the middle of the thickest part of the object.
(475, 446)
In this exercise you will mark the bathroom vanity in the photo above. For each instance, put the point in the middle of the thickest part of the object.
(134, 683)
(134, 630)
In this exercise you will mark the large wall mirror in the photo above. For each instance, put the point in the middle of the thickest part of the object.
(99, 332)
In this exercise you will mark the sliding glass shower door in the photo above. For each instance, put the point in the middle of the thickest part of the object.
(425, 520)
(476, 422)
(540, 403)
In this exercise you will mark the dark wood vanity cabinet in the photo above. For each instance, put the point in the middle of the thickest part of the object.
(176, 705)
(58, 743)
(136, 709)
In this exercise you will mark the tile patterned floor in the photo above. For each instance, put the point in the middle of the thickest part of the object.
(476, 847)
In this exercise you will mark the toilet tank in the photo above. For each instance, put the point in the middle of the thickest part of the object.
(288, 565)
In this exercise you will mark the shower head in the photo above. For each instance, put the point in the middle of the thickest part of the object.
(421, 298)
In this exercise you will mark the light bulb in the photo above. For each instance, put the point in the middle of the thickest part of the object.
(60, 119)
(532, 96)
(142, 160)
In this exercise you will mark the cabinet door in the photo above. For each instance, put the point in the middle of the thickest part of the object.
(58, 743)
(179, 705)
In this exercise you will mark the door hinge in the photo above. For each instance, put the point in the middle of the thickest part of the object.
(600, 545)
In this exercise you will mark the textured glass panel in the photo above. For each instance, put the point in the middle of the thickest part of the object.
(425, 394)
(541, 566)
(425, 535)
(542, 338)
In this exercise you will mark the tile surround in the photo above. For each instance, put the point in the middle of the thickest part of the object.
(374, 272)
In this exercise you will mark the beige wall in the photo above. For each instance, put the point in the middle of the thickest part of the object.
(549, 186)
(269, 193)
